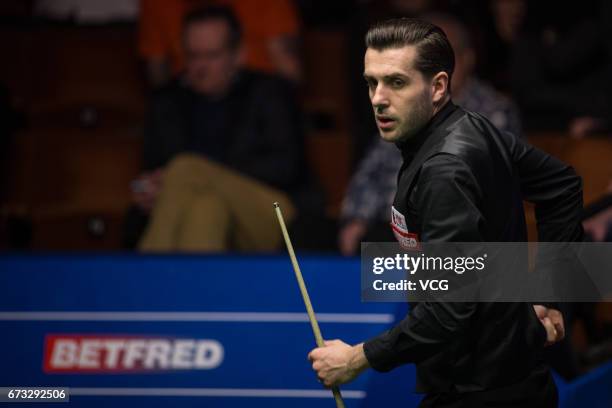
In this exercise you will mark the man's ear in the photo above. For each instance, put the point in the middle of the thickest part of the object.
(439, 87)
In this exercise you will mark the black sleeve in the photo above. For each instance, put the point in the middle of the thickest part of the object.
(448, 203)
(556, 192)
(554, 188)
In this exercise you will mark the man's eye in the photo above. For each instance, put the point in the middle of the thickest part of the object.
(397, 83)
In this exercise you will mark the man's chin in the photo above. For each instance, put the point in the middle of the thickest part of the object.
(391, 136)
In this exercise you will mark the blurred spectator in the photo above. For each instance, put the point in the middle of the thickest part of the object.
(221, 145)
(561, 66)
(270, 28)
(508, 17)
(582, 126)
(598, 218)
(502, 24)
(496, 28)
(366, 207)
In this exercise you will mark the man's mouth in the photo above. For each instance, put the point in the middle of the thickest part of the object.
(385, 122)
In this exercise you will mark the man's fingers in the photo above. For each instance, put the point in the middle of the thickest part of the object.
(315, 354)
(331, 342)
(540, 310)
(557, 319)
(560, 332)
(551, 332)
(552, 320)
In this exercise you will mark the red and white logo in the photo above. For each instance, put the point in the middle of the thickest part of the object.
(406, 239)
(92, 353)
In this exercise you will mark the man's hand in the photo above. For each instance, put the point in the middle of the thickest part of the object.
(597, 226)
(146, 188)
(552, 320)
(583, 126)
(350, 236)
(337, 362)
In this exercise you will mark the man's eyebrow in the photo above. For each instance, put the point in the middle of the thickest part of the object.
(388, 76)
(395, 75)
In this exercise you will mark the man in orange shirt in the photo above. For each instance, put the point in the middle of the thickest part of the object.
(270, 27)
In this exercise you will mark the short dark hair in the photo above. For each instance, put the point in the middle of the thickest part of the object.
(208, 13)
(434, 52)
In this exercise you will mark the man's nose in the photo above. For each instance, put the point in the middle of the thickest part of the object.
(379, 98)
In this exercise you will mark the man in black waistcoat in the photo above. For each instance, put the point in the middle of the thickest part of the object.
(461, 181)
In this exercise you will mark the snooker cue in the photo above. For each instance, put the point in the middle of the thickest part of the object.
(304, 291)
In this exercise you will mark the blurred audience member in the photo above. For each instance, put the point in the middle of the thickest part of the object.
(508, 16)
(561, 66)
(582, 126)
(270, 28)
(598, 218)
(366, 207)
(221, 145)
(503, 22)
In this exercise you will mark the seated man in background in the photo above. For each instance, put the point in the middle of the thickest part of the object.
(560, 67)
(365, 210)
(221, 145)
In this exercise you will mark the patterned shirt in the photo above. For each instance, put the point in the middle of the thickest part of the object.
(372, 188)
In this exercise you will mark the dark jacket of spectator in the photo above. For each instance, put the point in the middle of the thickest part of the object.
(255, 129)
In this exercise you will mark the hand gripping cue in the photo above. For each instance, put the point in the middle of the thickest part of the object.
(302, 285)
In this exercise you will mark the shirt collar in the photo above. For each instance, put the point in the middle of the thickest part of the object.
(410, 146)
